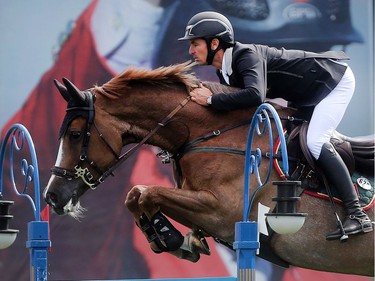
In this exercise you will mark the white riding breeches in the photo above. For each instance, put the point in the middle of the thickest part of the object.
(328, 113)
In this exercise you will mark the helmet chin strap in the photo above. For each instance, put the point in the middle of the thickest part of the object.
(211, 53)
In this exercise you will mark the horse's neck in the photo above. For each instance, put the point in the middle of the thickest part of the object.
(138, 113)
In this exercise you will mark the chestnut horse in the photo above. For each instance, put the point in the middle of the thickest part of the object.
(153, 107)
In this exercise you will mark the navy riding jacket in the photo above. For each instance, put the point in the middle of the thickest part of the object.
(300, 77)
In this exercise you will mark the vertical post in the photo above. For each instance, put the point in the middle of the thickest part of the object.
(38, 231)
(246, 245)
(38, 244)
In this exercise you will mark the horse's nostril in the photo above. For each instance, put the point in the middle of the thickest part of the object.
(51, 198)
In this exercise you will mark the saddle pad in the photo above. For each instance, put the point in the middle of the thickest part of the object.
(364, 185)
(366, 196)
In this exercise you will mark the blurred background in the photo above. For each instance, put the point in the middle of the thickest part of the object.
(89, 42)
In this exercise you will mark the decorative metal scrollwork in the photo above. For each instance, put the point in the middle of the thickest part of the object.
(261, 124)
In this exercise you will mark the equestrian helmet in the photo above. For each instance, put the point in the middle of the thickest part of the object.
(209, 25)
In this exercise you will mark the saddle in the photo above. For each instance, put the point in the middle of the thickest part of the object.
(357, 153)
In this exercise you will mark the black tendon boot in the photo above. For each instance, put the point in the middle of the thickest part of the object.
(356, 220)
(167, 233)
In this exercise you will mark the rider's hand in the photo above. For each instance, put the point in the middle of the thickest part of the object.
(200, 95)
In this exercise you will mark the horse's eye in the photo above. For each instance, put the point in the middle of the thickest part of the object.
(75, 135)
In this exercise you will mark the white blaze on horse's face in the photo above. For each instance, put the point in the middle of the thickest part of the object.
(59, 155)
(73, 207)
(51, 179)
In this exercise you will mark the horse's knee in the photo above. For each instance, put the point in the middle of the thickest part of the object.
(132, 198)
(146, 201)
(131, 204)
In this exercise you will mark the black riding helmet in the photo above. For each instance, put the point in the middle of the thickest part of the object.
(210, 25)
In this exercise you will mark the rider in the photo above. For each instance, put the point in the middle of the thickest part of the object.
(319, 84)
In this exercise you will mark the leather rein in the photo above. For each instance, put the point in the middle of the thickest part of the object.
(84, 173)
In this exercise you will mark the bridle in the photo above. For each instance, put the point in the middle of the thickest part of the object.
(84, 173)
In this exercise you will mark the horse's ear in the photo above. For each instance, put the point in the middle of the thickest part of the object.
(74, 91)
(62, 89)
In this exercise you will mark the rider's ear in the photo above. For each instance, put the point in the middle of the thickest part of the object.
(214, 44)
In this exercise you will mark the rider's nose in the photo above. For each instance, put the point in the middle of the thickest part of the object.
(191, 50)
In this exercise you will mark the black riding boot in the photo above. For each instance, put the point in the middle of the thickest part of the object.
(356, 220)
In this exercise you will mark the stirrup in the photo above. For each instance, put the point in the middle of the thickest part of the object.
(363, 225)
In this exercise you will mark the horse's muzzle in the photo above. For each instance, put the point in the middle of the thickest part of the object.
(52, 200)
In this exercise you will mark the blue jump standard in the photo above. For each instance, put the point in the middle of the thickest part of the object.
(178, 279)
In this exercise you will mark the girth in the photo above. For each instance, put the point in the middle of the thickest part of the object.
(188, 147)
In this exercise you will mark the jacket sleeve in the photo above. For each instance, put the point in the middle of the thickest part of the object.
(249, 71)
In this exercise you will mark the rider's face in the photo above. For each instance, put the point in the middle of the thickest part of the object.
(198, 49)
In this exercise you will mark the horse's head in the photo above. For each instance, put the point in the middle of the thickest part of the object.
(83, 159)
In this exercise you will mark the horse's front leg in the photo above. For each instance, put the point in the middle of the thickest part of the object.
(141, 218)
(160, 233)
(132, 202)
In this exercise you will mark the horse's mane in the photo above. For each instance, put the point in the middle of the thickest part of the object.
(219, 88)
(161, 77)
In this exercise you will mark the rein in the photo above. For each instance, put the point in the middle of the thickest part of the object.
(84, 173)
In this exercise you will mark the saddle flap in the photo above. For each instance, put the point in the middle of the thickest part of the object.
(361, 159)
(362, 149)
(344, 149)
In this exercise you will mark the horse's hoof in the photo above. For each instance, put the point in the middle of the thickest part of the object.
(197, 243)
(186, 255)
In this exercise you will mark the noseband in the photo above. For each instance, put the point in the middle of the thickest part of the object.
(84, 173)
